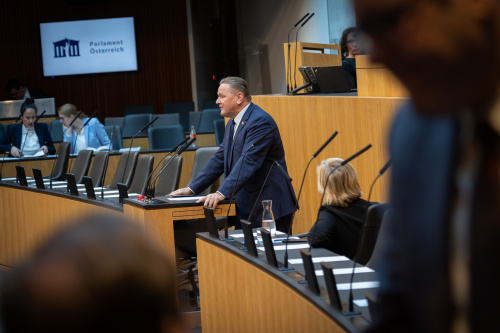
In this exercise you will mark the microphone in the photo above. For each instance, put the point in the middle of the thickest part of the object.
(285, 259)
(26, 139)
(283, 171)
(103, 175)
(131, 142)
(8, 141)
(326, 183)
(62, 139)
(178, 153)
(233, 192)
(76, 136)
(296, 41)
(148, 180)
(289, 68)
(351, 311)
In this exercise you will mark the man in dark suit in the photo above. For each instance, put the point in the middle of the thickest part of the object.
(248, 172)
(438, 270)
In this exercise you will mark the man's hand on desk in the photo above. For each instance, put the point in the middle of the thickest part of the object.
(212, 199)
(182, 191)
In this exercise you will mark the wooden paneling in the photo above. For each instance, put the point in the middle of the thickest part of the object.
(306, 122)
(376, 80)
(274, 308)
(162, 53)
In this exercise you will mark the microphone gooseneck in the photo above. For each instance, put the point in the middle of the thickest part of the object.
(132, 141)
(296, 41)
(351, 297)
(313, 234)
(289, 67)
(285, 259)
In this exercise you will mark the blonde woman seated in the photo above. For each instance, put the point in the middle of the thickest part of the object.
(340, 218)
(93, 135)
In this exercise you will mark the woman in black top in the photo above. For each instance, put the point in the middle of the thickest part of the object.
(340, 219)
(350, 47)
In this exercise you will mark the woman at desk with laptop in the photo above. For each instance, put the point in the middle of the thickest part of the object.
(29, 137)
(350, 47)
(91, 136)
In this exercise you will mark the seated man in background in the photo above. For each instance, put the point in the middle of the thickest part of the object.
(17, 91)
(102, 274)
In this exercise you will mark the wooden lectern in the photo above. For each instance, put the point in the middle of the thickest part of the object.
(376, 80)
(309, 54)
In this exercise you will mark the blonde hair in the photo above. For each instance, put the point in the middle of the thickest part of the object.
(70, 110)
(343, 186)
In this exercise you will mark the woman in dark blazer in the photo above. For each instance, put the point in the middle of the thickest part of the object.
(340, 219)
(27, 138)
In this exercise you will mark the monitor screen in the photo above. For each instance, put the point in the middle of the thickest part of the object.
(91, 46)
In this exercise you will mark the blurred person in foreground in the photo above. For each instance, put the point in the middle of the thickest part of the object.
(102, 274)
(437, 269)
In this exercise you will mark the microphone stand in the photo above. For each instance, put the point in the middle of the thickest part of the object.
(351, 311)
(285, 259)
(8, 141)
(289, 67)
(326, 183)
(131, 142)
(76, 137)
(296, 41)
(26, 139)
(148, 180)
(178, 153)
(62, 137)
(103, 174)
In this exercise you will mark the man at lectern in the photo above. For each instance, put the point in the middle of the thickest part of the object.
(252, 144)
(438, 267)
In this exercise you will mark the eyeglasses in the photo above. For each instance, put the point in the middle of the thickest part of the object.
(352, 42)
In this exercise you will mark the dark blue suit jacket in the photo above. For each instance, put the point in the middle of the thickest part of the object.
(41, 130)
(414, 265)
(256, 164)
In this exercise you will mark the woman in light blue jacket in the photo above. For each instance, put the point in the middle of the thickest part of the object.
(93, 135)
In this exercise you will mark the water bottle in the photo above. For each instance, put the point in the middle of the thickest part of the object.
(192, 135)
(268, 217)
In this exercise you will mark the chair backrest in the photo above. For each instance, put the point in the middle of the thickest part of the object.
(374, 261)
(133, 124)
(49, 124)
(141, 173)
(371, 228)
(56, 131)
(138, 109)
(220, 127)
(210, 104)
(82, 164)
(183, 109)
(125, 170)
(201, 158)
(207, 118)
(61, 166)
(165, 137)
(100, 159)
(169, 179)
(168, 119)
(194, 120)
(111, 121)
(115, 135)
(2, 130)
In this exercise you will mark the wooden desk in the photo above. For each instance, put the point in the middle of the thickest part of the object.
(29, 216)
(305, 122)
(242, 293)
(45, 164)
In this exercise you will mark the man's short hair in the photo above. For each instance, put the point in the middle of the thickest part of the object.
(237, 85)
(102, 274)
